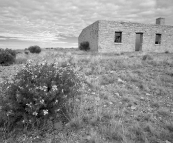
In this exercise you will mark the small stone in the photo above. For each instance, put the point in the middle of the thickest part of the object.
(148, 94)
(133, 107)
(77, 100)
(142, 98)
(117, 94)
(110, 103)
(120, 80)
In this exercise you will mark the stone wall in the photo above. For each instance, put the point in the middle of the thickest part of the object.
(106, 35)
(90, 34)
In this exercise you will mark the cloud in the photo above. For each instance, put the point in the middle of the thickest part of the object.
(148, 3)
(60, 22)
(3, 39)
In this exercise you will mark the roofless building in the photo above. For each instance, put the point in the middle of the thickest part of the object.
(113, 36)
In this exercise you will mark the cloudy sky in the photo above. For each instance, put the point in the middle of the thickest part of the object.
(57, 23)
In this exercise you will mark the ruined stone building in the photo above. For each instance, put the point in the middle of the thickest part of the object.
(112, 36)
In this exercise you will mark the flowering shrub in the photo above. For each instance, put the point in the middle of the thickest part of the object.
(40, 92)
(7, 56)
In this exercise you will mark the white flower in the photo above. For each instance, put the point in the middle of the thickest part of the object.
(29, 104)
(42, 101)
(9, 113)
(57, 110)
(44, 88)
(54, 87)
(21, 87)
(34, 76)
(43, 63)
(45, 112)
(29, 61)
(35, 113)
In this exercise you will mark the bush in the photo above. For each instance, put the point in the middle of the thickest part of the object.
(7, 57)
(147, 57)
(84, 46)
(39, 92)
(34, 49)
(26, 51)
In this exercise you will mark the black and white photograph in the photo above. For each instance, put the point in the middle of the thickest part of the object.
(86, 71)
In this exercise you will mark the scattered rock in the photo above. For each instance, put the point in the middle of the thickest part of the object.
(142, 98)
(148, 94)
(93, 93)
(117, 94)
(77, 100)
(120, 80)
(111, 71)
(110, 103)
(133, 107)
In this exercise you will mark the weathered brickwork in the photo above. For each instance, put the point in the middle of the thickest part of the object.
(101, 36)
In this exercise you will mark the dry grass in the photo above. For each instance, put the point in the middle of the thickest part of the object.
(127, 98)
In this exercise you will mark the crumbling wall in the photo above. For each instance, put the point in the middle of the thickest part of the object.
(106, 35)
(90, 34)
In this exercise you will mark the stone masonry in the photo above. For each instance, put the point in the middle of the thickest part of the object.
(90, 34)
(101, 36)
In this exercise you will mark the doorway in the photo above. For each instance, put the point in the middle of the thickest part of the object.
(139, 41)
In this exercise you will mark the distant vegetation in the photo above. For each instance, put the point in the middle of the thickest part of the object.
(166, 52)
(84, 46)
(26, 51)
(7, 56)
(34, 49)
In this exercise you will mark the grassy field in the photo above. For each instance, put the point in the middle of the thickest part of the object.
(127, 98)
